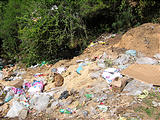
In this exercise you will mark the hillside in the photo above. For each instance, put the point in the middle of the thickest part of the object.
(100, 84)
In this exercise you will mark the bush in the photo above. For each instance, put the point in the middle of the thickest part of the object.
(9, 28)
(47, 33)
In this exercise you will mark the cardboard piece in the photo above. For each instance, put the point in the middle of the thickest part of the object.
(118, 85)
(144, 72)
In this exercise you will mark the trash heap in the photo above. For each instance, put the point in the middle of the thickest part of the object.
(111, 90)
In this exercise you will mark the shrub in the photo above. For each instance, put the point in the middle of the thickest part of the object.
(46, 33)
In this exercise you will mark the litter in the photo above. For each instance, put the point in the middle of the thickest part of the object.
(15, 110)
(131, 52)
(88, 96)
(1, 75)
(79, 61)
(40, 101)
(54, 70)
(37, 86)
(95, 75)
(110, 36)
(103, 108)
(146, 60)
(135, 87)
(157, 56)
(65, 111)
(122, 118)
(102, 42)
(121, 67)
(144, 94)
(91, 44)
(43, 63)
(101, 63)
(123, 59)
(111, 74)
(155, 104)
(85, 113)
(79, 69)
(64, 95)
(39, 75)
(61, 69)
(9, 96)
(17, 90)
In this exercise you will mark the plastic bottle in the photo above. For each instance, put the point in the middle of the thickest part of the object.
(9, 96)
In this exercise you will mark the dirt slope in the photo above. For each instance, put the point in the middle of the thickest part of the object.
(145, 38)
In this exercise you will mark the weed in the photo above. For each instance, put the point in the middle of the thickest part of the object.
(108, 63)
(158, 116)
(149, 111)
(139, 109)
(148, 102)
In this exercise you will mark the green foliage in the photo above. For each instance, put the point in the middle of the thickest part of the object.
(9, 28)
(35, 30)
(125, 19)
(46, 33)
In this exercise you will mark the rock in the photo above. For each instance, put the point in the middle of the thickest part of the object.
(157, 56)
(23, 114)
(95, 75)
(85, 113)
(73, 92)
(15, 109)
(155, 104)
(54, 104)
(49, 110)
(146, 60)
(69, 101)
(93, 111)
(59, 80)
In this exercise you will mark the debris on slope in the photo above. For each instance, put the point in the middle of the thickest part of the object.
(90, 86)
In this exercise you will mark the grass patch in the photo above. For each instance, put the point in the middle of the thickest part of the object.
(149, 111)
(158, 116)
(148, 102)
(139, 109)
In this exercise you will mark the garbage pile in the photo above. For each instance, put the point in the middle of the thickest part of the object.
(106, 97)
